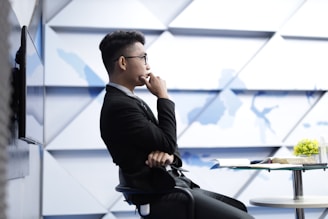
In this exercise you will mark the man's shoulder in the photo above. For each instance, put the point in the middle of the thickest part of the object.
(116, 97)
(113, 92)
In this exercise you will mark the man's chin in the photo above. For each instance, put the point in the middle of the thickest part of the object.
(140, 83)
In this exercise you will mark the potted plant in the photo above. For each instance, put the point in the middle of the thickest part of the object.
(306, 147)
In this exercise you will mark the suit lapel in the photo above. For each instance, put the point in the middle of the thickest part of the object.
(147, 110)
(143, 105)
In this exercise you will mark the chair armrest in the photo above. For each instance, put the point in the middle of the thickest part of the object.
(144, 209)
(129, 190)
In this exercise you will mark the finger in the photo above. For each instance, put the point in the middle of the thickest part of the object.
(149, 160)
(157, 158)
(147, 83)
(162, 158)
(169, 160)
(154, 158)
(143, 79)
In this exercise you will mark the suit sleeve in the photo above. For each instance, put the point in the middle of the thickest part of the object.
(128, 124)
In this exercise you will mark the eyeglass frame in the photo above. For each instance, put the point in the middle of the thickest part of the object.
(145, 57)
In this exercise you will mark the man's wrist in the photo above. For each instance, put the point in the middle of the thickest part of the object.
(164, 96)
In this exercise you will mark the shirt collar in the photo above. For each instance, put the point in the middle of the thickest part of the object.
(123, 89)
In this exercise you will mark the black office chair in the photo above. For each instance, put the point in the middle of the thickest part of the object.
(169, 207)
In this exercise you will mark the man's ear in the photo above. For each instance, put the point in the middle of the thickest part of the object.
(122, 62)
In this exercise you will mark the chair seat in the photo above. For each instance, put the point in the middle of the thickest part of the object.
(171, 206)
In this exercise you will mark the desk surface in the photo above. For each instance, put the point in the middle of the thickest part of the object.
(276, 166)
(288, 202)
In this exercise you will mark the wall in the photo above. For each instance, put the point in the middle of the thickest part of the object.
(24, 192)
(24, 163)
(5, 90)
(247, 78)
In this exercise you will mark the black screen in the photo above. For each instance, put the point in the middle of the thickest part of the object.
(29, 86)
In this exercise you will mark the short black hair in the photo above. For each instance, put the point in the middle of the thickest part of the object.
(113, 45)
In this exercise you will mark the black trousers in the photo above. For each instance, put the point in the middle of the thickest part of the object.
(208, 205)
(211, 205)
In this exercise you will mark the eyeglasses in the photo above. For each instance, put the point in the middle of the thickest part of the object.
(131, 57)
(140, 57)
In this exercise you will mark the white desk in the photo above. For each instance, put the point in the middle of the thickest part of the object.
(299, 202)
(288, 202)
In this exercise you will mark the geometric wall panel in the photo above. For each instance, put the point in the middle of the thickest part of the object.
(51, 8)
(62, 105)
(102, 15)
(314, 124)
(309, 21)
(110, 216)
(210, 63)
(94, 170)
(83, 131)
(251, 15)
(89, 53)
(231, 119)
(122, 206)
(287, 64)
(63, 195)
(171, 10)
(65, 66)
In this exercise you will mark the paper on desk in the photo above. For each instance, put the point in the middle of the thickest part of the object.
(230, 162)
(246, 163)
(274, 165)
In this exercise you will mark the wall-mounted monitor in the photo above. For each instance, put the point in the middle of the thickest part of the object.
(29, 91)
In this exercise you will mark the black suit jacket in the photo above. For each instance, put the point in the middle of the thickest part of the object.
(131, 131)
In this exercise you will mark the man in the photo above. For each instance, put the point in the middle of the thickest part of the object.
(140, 144)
